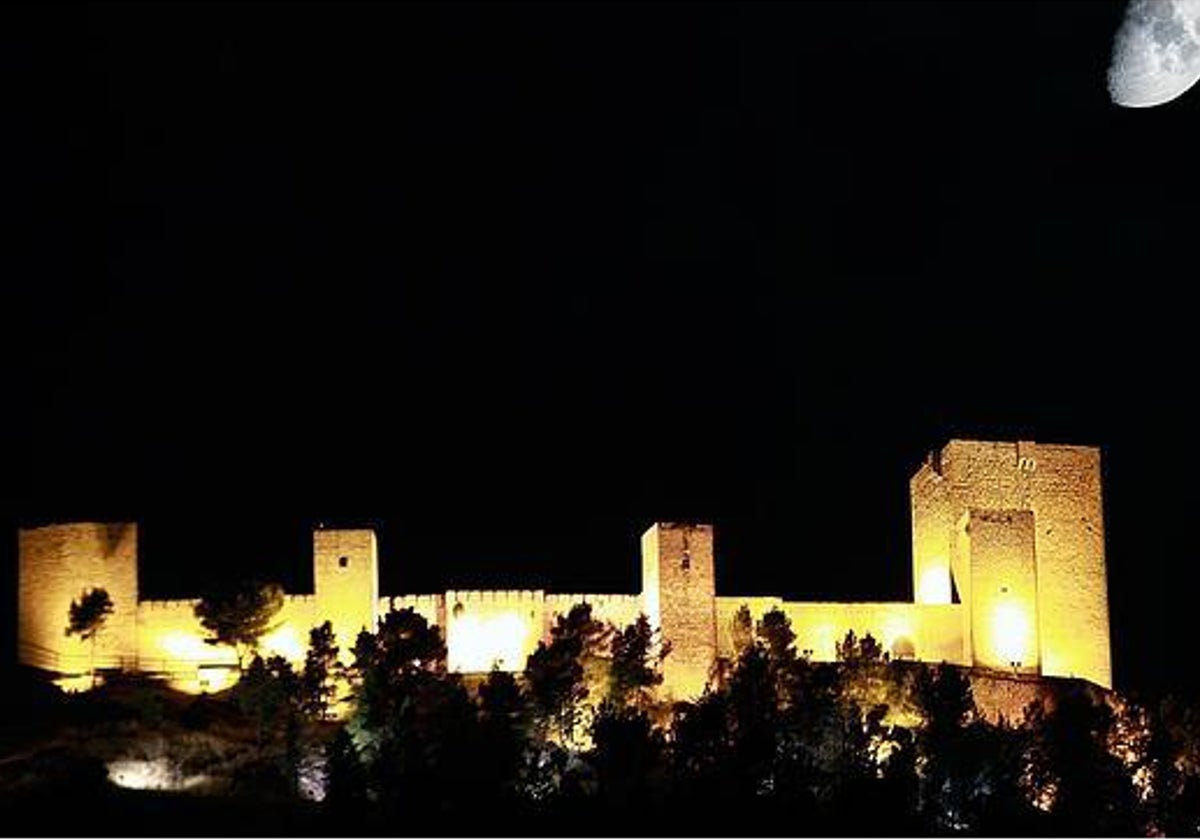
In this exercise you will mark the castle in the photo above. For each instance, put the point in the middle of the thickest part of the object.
(1008, 576)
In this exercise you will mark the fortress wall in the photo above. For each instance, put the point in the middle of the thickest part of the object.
(171, 642)
(618, 610)
(1047, 558)
(492, 629)
(939, 633)
(759, 605)
(432, 608)
(923, 632)
(289, 639)
(1006, 695)
(56, 563)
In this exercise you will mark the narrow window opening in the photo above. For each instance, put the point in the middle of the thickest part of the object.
(344, 562)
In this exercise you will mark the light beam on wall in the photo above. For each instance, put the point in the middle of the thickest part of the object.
(935, 585)
(185, 646)
(479, 643)
(1012, 633)
(285, 642)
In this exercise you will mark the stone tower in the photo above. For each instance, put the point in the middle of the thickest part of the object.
(346, 583)
(56, 564)
(1015, 532)
(679, 598)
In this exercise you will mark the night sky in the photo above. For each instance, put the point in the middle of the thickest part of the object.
(508, 283)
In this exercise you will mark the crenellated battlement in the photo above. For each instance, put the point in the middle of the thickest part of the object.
(168, 604)
(417, 602)
(495, 597)
(1008, 573)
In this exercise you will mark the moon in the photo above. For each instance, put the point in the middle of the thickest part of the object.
(1156, 52)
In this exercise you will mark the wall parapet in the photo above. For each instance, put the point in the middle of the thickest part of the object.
(498, 597)
(966, 596)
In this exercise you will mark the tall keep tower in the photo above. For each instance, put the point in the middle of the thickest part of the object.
(346, 583)
(57, 563)
(1015, 532)
(679, 598)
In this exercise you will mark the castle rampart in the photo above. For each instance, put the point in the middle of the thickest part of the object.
(1008, 575)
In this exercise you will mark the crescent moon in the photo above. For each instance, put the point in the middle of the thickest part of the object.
(1156, 52)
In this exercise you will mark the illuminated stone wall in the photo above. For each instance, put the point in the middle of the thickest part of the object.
(486, 630)
(998, 547)
(1072, 585)
(56, 564)
(679, 597)
(906, 631)
(727, 608)
(999, 695)
(432, 608)
(1008, 566)
(1060, 486)
(171, 642)
(617, 610)
(931, 633)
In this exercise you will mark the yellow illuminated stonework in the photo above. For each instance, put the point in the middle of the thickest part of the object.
(1008, 572)
(1012, 634)
(935, 584)
(481, 643)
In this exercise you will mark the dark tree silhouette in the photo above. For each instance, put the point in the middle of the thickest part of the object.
(1172, 804)
(635, 667)
(628, 757)
(1091, 792)
(776, 634)
(557, 673)
(86, 618)
(946, 703)
(505, 731)
(266, 691)
(778, 640)
(753, 721)
(346, 786)
(240, 616)
(318, 688)
(390, 664)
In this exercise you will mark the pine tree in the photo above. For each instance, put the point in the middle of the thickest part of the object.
(86, 618)
(239, 617)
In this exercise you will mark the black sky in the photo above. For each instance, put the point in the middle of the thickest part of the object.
(507, 283)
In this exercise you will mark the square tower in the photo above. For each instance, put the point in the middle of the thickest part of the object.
(56, 565)
(346, 583)
(679, 599)
(1059, 486)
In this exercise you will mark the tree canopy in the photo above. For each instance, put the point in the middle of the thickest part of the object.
(86, 617)
(241, 615)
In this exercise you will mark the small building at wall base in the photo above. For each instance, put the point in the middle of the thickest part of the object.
(1008, 575)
